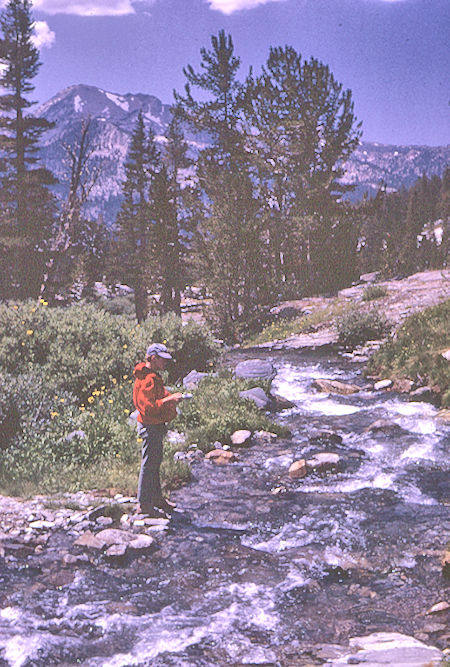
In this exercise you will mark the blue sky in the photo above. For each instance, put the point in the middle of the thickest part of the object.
(393, 54)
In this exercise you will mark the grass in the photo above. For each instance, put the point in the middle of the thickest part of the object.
(299, 325)
(374, 292)
(415, 352)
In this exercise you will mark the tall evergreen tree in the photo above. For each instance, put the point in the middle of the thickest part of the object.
(302, 128)
(134, 245)
(28, 206)
(229, 239)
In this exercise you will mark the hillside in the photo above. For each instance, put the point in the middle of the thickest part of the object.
(113, 118)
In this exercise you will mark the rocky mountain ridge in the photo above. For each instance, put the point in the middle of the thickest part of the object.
(113, 118)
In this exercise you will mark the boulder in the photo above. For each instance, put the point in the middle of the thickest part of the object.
(281, 403)
(258, 396)
(369, 277)
(438, 607)
(221, 456)
(444, 415)
(41, 524)
(421, 394)
(264, 436)
(388, 649)
(192, 379)
(446, 354)
(255, 368)
(240, 438)
(141, 544)
(297, 469)
(89, 541)
(323, 461)
(335, 387)
(117, 554)
(111, 536)
(385, 426)
(382, 384)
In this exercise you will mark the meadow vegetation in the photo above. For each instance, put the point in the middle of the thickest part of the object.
(65, 397)
(415, 352)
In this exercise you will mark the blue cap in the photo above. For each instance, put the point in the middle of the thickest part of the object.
(160, 350)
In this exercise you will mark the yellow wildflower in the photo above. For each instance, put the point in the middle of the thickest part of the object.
(54, 414)
(114, 381)
(29, 332)
(127, 412)
(96, 392)
(125, 346)
(91, 399)
(82, 408)
(110, 400)
(61, 400)
(125, 377)
(139, 440)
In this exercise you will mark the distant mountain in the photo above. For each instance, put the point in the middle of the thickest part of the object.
(113, 118)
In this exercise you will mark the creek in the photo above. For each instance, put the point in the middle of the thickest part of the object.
(256, 568)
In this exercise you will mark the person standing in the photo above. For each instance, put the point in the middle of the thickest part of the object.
(156, 407)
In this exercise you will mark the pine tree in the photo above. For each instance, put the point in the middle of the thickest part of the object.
(133, 250)
(28, 206)
(301, 129)
(228, 244)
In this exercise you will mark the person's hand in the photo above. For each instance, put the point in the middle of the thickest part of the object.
(176, 397)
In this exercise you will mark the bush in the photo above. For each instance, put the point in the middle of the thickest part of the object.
(374, 292)
(65, 392)
(416, 351)
(81, 347)
(216, 411)
(358, 325)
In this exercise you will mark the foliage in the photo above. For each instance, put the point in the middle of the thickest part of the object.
(301, 128)
(415, 351)
(359, 325)
(65, 394)
(216, 411)
(26, 204)
(82, 347)
(407, 231)
(373, 292)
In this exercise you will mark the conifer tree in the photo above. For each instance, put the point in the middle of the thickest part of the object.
(167, 247)
(302, 128)
(27, 204)
(134, 257)
(228, 240)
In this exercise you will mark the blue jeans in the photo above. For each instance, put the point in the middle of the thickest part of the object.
(149, 486)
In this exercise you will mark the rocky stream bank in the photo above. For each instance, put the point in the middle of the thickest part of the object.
(329, 547)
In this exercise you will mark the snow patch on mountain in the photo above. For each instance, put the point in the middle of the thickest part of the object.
(113, 118)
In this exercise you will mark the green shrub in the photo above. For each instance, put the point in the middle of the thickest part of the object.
(81, 347)
(217, 410)
(374, 292)
(66, 392)
(359, 325)
(416, 350)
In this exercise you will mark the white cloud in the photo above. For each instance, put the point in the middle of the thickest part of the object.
(230, 6)
(85, 7)
(43, 36)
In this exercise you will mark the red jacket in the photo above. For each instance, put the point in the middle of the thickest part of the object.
(148, 391)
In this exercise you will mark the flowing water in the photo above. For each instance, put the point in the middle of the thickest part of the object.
(258, 569)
